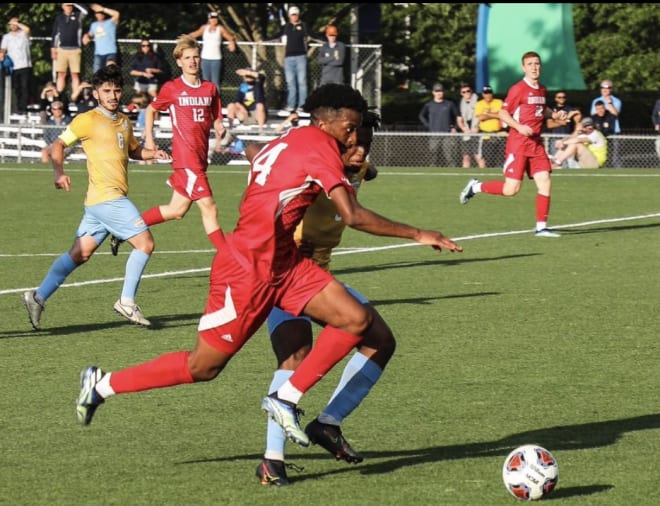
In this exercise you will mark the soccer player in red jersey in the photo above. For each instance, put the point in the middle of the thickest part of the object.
(259, 267)
(195, 107)
(524, 111)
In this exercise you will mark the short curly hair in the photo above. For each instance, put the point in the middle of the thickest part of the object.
(108, 74)
(334, 96)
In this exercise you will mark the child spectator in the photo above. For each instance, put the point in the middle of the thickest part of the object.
(250, 101)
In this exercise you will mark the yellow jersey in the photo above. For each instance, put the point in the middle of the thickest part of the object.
(107, 140)
(321, 226)
(494, 106)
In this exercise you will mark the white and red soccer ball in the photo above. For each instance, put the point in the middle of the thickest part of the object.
(530, 472)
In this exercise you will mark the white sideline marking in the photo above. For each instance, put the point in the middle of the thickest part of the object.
(338, 251)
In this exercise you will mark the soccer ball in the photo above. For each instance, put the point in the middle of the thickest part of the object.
(530, 472)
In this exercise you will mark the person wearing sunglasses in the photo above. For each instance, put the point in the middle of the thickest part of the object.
(54, 127)
(146, 68)
(570, 123)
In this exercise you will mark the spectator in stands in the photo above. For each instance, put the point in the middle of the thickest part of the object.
(612, 104)
(50, 94)
(295, 36)
(250, 100)
(332, 57)
(103, 32)
(469, 123)
(293, 120)
(604, 120)
(212, 34)
(138, 107)
(16, 44)
(146, 68)
(66, 45)
(565, 126)
(83, 98)
(441, 115)
(54, 127)
(491, 144)
(587, 146)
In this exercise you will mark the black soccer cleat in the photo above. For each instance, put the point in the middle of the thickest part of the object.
(115, 242)
(272, 472)
(330, 437)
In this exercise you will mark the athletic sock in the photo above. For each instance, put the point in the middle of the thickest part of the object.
(217, 238)
(493, 187)
(153, 216)
(357, 380)
(331, 346)
(58, 272)
(135, 265)
(275, 436)
(542, 208)
(166, 370)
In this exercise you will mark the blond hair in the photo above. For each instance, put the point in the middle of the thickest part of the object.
(184, 42)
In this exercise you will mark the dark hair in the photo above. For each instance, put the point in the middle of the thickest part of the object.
(335, 96)
(108, 74)
(599, 102)
(371, 119)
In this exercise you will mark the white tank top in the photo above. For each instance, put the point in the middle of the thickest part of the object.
(211, 44)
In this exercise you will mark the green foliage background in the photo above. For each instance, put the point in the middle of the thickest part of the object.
(422, 42)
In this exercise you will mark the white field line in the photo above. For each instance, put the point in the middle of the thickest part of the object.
(338, 251)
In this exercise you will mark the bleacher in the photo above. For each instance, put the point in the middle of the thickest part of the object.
(23, 138)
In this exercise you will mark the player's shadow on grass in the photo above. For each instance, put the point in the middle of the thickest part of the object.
(598, 230)
(429, 300)
(568, 437)
(157, 323)
(455, 259)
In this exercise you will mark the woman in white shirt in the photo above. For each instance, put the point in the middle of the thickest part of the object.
(212, 34)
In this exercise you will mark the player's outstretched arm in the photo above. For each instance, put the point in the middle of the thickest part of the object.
(365, 220)
(61, 180)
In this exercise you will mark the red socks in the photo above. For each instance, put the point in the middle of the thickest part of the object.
(217, 238)
(542, 207)
(331, 346)
(164, 371)
(153, 216)
(492, 187)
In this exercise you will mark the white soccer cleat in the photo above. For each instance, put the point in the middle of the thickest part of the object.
(131, 313)
(286, 416)
(468, 192)
(546, 232)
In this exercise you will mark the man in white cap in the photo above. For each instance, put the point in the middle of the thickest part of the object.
(295, 36)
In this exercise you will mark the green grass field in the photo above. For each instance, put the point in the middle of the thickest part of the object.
(516, 340)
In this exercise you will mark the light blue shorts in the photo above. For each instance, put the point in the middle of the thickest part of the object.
(118, 217)
(277, 317)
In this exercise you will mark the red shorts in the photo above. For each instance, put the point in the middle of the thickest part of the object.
(191, 184)
(529, 159)
(239, 302)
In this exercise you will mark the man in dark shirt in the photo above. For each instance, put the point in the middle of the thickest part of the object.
(441, 115)
(66, 44)
(604, 120)
(295, 60)
(565, 126)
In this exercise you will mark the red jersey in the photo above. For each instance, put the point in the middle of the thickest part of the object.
(526, 104)
(193, 109)
(284, 179)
